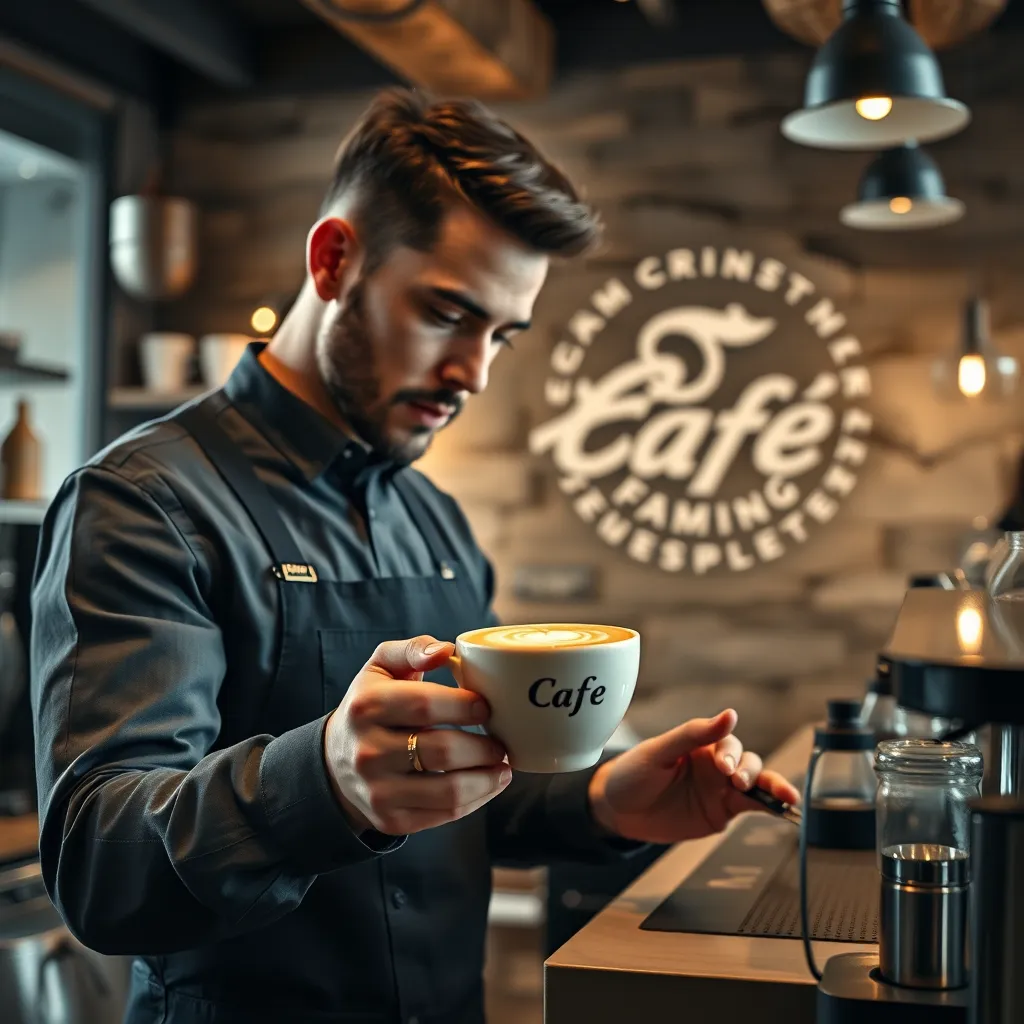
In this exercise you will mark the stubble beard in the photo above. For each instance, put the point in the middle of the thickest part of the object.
(348, 369)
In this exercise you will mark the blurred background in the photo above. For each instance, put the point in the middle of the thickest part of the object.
(161, 164)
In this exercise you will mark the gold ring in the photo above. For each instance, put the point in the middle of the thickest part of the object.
(414, 754)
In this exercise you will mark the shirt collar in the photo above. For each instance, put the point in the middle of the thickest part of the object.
(308, 440)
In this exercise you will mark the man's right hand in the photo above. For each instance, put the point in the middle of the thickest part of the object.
(366, 744)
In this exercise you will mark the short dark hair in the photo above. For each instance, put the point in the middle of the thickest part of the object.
(408, 157)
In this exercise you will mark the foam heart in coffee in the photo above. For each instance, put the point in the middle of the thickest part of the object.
(555, 635)
(557, 691)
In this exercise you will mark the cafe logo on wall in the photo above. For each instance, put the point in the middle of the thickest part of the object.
(708, 410)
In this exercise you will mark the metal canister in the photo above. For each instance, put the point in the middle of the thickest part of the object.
(997, 910)
(923, 921)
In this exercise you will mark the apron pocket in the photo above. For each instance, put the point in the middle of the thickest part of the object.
(343, 652)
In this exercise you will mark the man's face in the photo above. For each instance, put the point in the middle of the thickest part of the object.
(412, 341)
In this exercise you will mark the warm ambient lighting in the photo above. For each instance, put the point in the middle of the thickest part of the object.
(970, 375)
(264, 320)
(900, 204)
(873, 84)
(874, 108)
(969, 630)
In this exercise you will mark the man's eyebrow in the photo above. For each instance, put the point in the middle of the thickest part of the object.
(473, 308)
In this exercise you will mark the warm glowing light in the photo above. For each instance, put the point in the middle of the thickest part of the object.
(969, 630)
(264, 320)
(874, 108)
(971, 375)
(900, 204)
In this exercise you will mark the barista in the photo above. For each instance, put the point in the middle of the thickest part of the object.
(245, 777)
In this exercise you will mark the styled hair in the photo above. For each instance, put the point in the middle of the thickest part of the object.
(409, 157)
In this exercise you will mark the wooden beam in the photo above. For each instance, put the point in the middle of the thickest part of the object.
(197, 33)
(491, 49)
(942, 23)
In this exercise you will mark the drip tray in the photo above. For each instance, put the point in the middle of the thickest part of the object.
(749, 885)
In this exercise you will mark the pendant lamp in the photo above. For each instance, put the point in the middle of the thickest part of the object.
(977, 371)
(902, 190)
(874, 84)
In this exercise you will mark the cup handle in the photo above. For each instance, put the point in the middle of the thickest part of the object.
(455, 664)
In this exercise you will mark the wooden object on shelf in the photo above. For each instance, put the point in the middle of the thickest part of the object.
(941, 23)
(21, 460)
(501, 49)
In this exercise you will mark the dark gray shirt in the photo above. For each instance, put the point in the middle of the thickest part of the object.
(165, 824)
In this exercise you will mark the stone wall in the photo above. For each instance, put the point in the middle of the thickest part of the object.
(670, 153)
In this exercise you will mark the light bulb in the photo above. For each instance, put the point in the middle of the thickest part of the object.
(264, 320)
(900, 204)
(874, 108)
(971, 375)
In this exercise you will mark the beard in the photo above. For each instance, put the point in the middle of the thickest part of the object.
(349, 370)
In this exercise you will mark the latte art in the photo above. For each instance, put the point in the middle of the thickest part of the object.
(556, 635)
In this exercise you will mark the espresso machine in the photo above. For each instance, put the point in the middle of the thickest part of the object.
(951, 943)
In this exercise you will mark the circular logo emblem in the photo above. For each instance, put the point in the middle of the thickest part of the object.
(707, 410)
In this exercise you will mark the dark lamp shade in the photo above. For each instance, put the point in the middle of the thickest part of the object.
(902, 190)
(874, 53)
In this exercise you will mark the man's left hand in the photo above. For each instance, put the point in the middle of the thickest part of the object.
(684, 784)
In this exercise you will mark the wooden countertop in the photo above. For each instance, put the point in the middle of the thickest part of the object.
(611, 971)
(19, 837)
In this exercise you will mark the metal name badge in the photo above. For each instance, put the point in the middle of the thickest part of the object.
(292, 572)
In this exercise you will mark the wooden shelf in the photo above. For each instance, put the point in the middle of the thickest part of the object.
(26, 373)
(142, 398)
(22, 512)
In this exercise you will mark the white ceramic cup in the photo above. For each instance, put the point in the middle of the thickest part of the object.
(165, 360)
(219, 355)
(557, 691)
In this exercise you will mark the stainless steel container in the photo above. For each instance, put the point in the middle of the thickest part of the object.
(997, 911)
(153, 242)
(923, 921)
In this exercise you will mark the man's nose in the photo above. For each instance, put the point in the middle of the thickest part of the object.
(467, 369)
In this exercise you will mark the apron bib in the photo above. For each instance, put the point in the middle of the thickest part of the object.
(374, 942)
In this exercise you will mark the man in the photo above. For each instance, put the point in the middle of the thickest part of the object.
(225, 706)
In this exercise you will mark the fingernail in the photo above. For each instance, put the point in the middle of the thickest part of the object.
(505, 777)
(730, 763)
(744, 778)
(434, 647)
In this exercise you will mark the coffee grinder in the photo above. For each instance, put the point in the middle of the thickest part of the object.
(957, 655)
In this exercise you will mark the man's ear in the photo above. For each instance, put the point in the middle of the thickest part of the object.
(332, 257)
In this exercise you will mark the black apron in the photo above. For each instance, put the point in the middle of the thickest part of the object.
(399, 938)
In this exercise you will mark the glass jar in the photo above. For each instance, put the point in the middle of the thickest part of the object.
(1005, 578)
(923, 790)
(841, 810)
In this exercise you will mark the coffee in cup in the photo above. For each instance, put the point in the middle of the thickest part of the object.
(557, 691)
